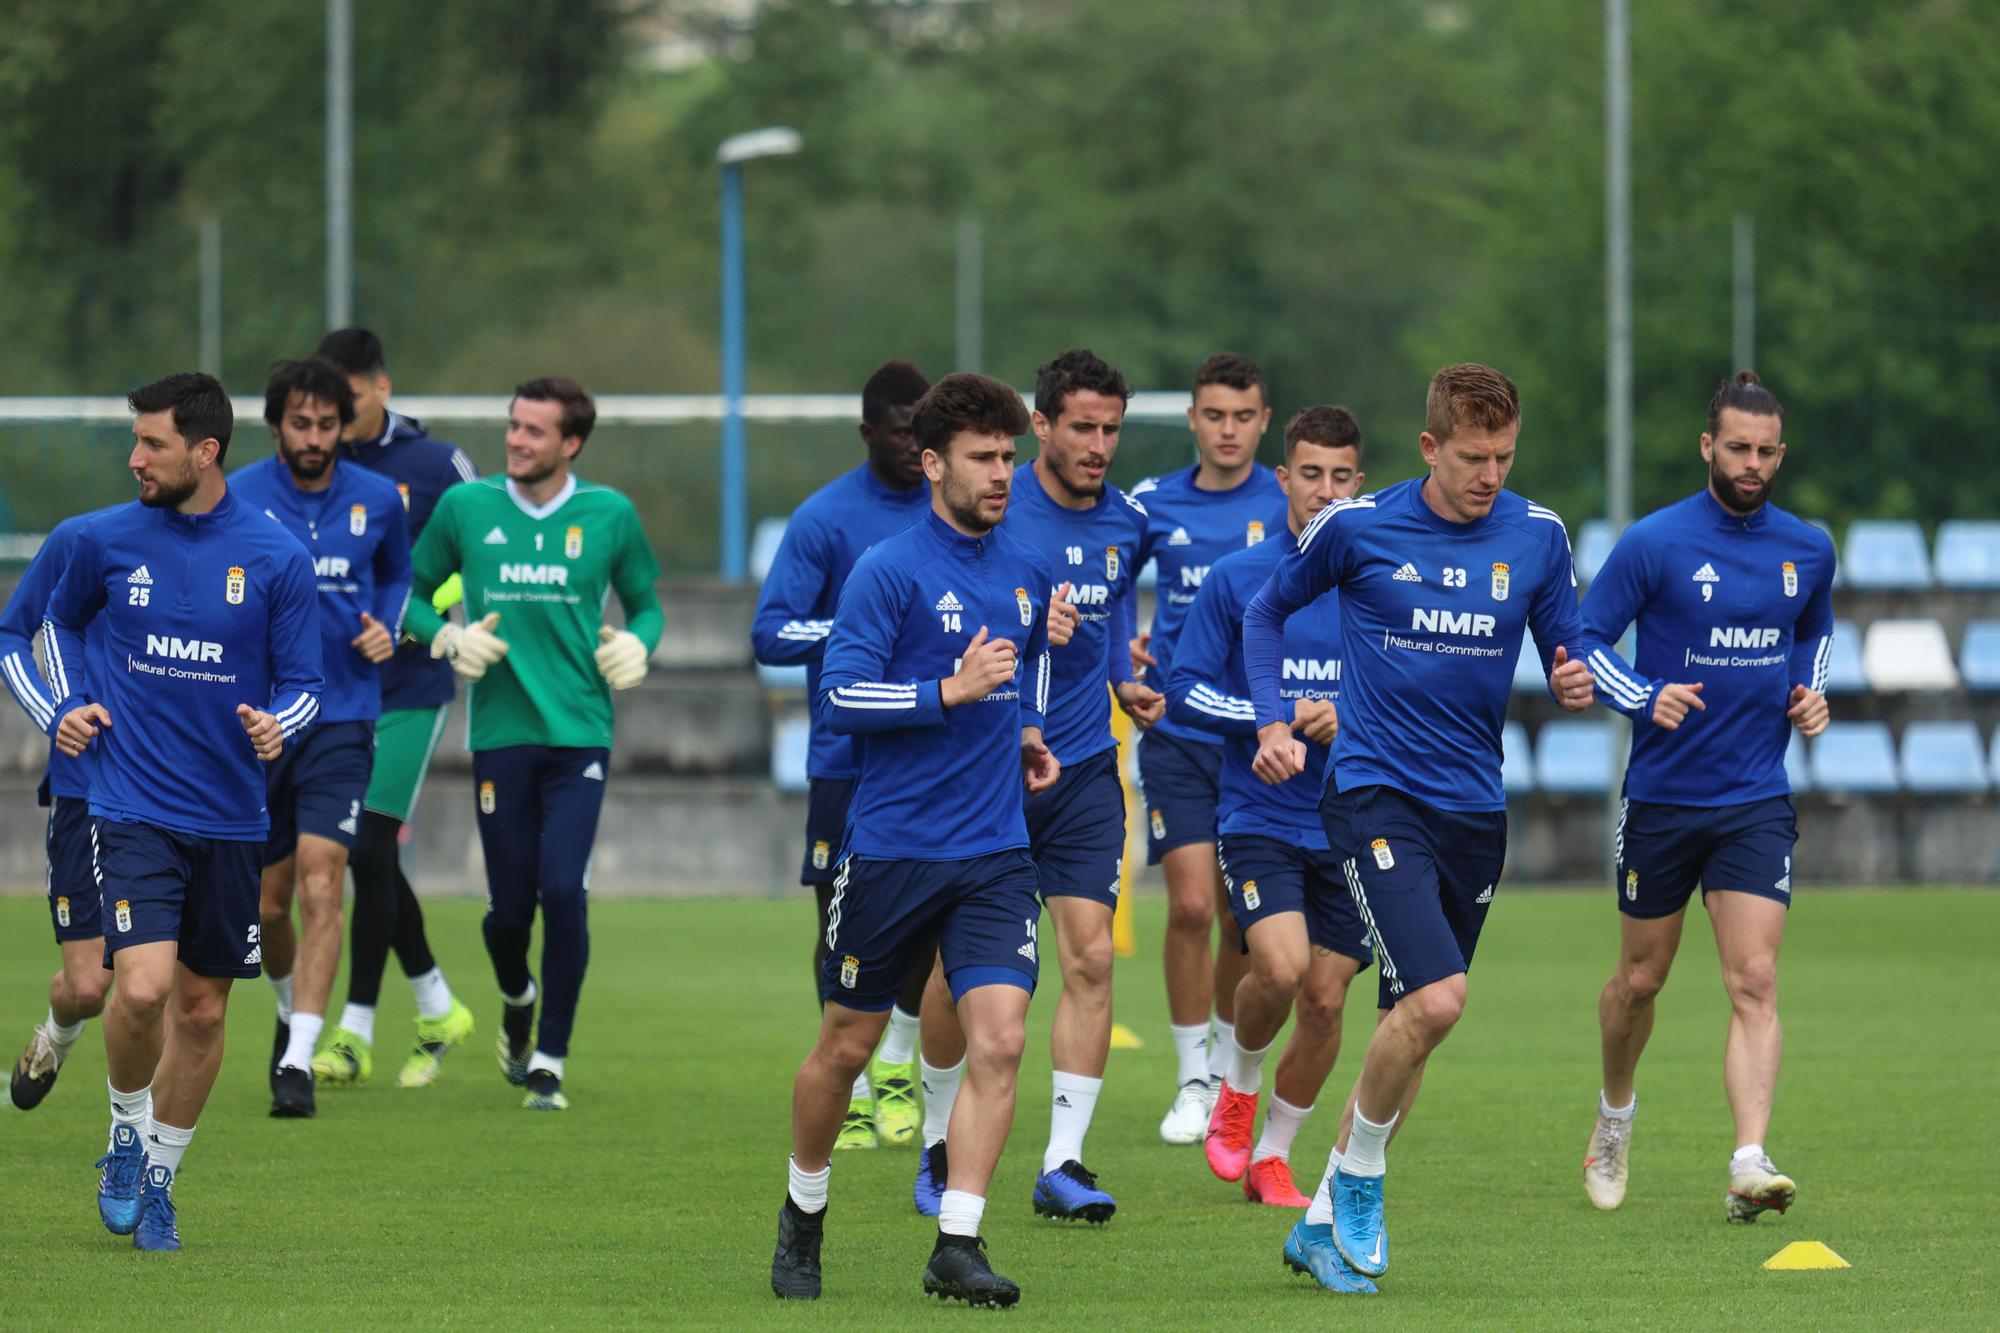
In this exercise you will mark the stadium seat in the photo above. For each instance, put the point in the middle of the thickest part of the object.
(1979, 659)
(1886, 553)
(1944, 757)
(789, 738)
(785, 679)
(1844, 674)
(1854, 757)
(764, 542)
(1594, 541)
(1908, 655)
(1797, 769)
(1574, 757)
(1517, 764)
(1968, 554)
(1528, 677)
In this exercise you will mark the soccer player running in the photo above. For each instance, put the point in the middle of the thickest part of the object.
(539, 551)
(1286, 888)
(212, 610)
(937, 663)
(351, 523)
(79, 986)
(1733, 591)
(825, 537)
(416, 693)
(1225, 502)
(1437, 579)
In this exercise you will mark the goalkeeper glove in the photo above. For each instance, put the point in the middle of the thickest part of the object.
(621, 657)
(470, 648)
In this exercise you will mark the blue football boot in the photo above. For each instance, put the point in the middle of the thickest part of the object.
(156, 1212)
(931, 1174)
(1069, 1193)
(118, 1187)
(1309, 1249)
(1358, 1229)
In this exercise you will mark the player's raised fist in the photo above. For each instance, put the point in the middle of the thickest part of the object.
(1063, 617)
(471, 649)
(1141, 656)
(1808, 711)
(266, 736)
(1038, 764)
(987, 664)
(1280, 755)
(373, 642)
(78, 726)
(621, 657)
(1317, 720)
(1141, 702)
(1571, 682)
(1672, 703)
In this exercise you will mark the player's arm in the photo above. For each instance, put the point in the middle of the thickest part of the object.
(75, 602)
(1139, 646)
(383, 621)
(856, 695)
(1304, 575)
(1557, 624)
(1616, 597)
(297, 678)
(1039, 766)
(20, 623)
(784, 630)
(624, 654)
(434, 559)
(1812, 657)
(1141, 702)
(1197, 696)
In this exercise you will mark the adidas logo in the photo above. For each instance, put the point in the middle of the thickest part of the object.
(1485, 895)
(347, 826)
(1027, 951)
(1062, 1101)
(496, 537)
(1707, 574)
(950, 602)
(255, 957)
(595, 772)
(141, 577)
(1407, 574)
(1180, 538)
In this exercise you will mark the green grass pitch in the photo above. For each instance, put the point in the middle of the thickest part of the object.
(652, 1201)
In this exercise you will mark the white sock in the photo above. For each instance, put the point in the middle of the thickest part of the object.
(432, 995)
(808, 1188)
(1219, 1047)
(165, 1145)
(359, 1019)
(940, 1092)
(305, 1033)
(1190, 1048)
(525, 997)
(1281, 1126)
(1747, 1155)
(1366, 1142)
(959, 1213)
(543, 1060)
(899, 1043)
(283, 987)
(860, 1088)
(1610, 1112)
(1069, 1117)
(1320, 1214)
(129, 1108)
(1246, 1068)
(63, 1037)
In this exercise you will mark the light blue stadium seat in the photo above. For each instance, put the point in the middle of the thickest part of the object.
(1979, 659)
(1574, 757)
(1796, 767)
(1886, 553)
(786, 679)
(789, 739)
(1944, 757)
(1844, 673)
(1854, 757)
(1517, 763)
(764, 540)
(1528, 677)
(1594, 541)
(1968, 554)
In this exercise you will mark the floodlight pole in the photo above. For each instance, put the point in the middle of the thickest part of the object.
(339, 163)
(1743, 315)
(971, 321)
(211, 295)
(735, 498)
(1617, 317)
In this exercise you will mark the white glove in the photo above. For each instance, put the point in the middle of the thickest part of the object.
(470, 648)
(621, 657)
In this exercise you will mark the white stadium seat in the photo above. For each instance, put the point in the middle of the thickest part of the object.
(1908, 655)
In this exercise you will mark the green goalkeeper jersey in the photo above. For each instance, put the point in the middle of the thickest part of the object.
(548, 571)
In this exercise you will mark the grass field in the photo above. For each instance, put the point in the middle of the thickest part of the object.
(652, 1201)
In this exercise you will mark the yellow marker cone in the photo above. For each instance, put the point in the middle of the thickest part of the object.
(1804, 1254)
(1124, 943)
(1125, 1039)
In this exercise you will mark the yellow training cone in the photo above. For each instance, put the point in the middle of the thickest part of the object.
(1125, 1039)
(1802, 1254)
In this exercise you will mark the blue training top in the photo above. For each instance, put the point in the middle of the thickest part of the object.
(20, 624)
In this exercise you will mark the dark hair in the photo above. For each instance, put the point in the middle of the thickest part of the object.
(1469, 396)
(355, 351)
(894, 384)
(579, 412)
(1227, 368)
(968, 402)
(1324, 425)
(199, 403)
(314, 377)
(1079, 370)
(1746, 393)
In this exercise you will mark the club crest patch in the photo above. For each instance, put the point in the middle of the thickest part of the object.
(486, 801)
(62, 911)
(1384, 858)
(850, 971)
(1027, 607)
(404, 491)
(1255, 533)
(233, 586)
(1500, 573)
(1111, 564)
(1631, 886)
(1791, 573)
(573, 542)
(122, 914)
(821, 851)
(1159, 825)
(1251, 899)
(357, 519)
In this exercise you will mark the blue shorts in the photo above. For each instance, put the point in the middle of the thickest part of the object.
(1076, 831)
(1662, 850)
(1181, 781)
(983, 913)
(72, 880)
(316, 785)
(827, 800)
(1265, 876)
(1422, 878)
(161, 885)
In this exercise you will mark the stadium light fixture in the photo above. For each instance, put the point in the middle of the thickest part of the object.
(772, 141)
